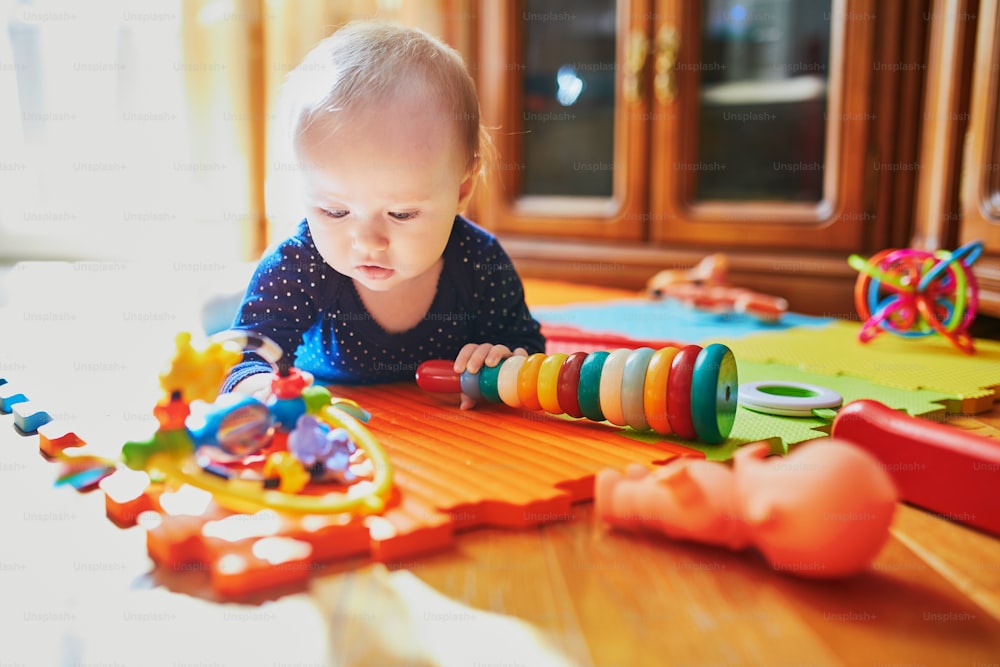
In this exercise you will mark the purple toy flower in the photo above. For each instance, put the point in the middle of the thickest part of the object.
(312, 441)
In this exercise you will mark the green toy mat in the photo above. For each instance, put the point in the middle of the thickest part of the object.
(925, 377)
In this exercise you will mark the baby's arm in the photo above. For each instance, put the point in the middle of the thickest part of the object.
(506, 319)
(279, 304)
(257, 385)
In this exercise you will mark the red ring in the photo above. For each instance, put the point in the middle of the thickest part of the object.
(568, 384)
(679, 392)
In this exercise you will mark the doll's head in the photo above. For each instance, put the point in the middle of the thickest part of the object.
(824, 510)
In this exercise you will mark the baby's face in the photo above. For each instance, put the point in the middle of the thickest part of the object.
(383, 189)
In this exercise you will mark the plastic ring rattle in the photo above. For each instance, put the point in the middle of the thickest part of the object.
(548, 381)
(527, 381)
(589, 394)
(611, 386)
(679, 398)
(470, 385)
(714, 390)
(787, 399)
(568, 383)
(634, 388)
(657, 388)
(488, 376)
(507, 381)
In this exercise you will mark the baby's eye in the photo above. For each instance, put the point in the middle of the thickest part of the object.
(334, 213)
(408, 215)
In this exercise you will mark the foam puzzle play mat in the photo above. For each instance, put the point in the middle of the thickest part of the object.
(262, 492)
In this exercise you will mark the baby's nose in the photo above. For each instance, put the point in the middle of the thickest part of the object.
(370, 237)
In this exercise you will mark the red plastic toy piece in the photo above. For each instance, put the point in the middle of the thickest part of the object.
(290, 384)
(439, 376)
(936, 466)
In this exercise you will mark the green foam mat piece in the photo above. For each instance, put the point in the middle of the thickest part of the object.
(785, 432)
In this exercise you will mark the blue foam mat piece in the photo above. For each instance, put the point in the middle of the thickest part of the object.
(666, 320)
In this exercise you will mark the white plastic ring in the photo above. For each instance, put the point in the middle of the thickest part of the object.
(787, 399)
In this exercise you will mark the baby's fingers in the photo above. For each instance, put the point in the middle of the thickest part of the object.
(497, 354)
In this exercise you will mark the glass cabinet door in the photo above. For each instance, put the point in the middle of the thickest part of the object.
(561, 91)
(760, 122)
(980, 175)
(981, 168)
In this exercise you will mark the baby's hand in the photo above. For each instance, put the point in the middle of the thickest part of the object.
(474, 356)
(257, 385)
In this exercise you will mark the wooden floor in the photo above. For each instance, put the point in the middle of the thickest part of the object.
(75, 589)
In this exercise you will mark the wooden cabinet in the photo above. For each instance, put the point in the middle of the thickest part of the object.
(769, 130)
(959, 191)
(980, 178)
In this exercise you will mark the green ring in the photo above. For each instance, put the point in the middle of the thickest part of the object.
(714, 393)
(488, 377)
(589, 391)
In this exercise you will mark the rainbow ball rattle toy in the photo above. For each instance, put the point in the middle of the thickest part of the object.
(915, 293)
(687, 391)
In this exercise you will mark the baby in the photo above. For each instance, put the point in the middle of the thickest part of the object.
(384, 273)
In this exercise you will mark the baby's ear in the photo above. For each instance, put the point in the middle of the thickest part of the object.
(468, 186)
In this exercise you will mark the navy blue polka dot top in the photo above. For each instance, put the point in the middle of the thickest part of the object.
(307, 307)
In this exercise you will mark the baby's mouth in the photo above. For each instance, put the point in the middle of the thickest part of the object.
(373, 272)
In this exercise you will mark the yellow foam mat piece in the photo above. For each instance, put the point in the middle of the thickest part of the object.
(971, 381)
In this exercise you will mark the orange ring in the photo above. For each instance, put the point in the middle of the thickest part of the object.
(527, 381)
(656, 388)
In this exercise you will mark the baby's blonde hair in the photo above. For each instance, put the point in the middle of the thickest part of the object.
(365, 62)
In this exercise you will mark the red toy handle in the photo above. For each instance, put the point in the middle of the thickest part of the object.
(439, 376)
(939, 467)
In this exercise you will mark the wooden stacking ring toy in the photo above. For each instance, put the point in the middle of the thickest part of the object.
(691, 392)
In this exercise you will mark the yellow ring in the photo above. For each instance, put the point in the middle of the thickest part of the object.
(548, 378)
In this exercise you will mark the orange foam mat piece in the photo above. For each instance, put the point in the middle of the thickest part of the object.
(454, 470)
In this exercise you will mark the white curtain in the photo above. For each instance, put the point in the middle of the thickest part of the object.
(145, 128)
(104, 150)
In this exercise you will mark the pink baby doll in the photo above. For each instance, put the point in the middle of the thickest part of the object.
(824, 510)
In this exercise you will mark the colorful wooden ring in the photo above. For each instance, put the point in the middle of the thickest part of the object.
(657, 388)
(568, 384)
(527, 381)
(548, 380)
(611, 386)
(634, 386)
(507, 380)
(469, 383)
(679, 396)
(589, 393)
(714, 393)
(488, 382)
